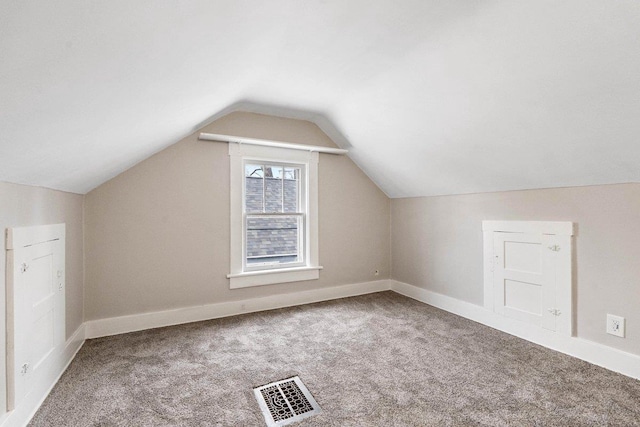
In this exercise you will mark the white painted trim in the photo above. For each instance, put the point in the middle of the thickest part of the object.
(564, 284)
(281, 270)
(238, 278)
(21, 416)
(6, 342)
(607, 357)
(488, 254)
(589, 351)
(19, 237)
(119, 325)
(268, 143)
(269, 277)
(19, 241)
(158, 319)
(564, 228)
(563, 260)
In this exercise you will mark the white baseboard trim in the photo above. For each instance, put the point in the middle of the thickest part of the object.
(598, 354)
(26, 409)
(21, 416)
(158, 319)
(607, 357)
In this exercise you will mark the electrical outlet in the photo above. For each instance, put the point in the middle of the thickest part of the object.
(615, 325)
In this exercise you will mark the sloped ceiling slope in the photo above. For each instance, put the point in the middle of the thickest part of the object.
(433, 97)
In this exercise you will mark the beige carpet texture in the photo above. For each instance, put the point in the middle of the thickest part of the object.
(374, 360)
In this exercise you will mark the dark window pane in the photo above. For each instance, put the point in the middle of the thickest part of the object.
(273, 240)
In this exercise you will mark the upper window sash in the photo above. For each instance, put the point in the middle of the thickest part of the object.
(301, 188)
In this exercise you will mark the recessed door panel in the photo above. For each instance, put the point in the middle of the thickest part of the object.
(38, 315)
(523, 298)
(524, 278)
(523, 256)
(43, 339)
(40, 270)
(528, 272)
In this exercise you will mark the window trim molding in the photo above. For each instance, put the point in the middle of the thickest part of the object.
(239, 278)
(270, 277)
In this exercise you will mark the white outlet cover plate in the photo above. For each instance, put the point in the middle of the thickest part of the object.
(612, 321)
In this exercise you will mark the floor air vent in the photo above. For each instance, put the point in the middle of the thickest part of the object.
(284, 402)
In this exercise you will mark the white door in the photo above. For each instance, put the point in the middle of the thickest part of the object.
(37, 317)
(525, 277)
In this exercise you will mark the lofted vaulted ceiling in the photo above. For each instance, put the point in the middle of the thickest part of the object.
(431, 97)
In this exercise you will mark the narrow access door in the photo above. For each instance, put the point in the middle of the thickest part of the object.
(36, 307)
(524, 277)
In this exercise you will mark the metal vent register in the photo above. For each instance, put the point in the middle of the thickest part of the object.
(285, 402)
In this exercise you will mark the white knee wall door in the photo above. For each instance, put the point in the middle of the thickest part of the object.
(528, 272)
(35, 308)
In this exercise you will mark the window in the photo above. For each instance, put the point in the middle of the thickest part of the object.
(274, 224)
(274, 215)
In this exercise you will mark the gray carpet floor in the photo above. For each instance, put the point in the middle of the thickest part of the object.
(373, 360)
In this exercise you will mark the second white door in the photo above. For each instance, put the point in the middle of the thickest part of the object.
(525, 277)
(37, 308)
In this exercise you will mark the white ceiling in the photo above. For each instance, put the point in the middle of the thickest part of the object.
(433, 97)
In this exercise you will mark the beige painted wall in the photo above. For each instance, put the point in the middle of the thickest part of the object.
(437, 245)
(22, 205)
(157, 236)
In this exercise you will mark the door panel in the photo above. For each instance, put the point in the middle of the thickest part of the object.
(43, 340)
(40, 262)
(524, 278)
(528, 272)
(38, 324)
(523, 256)
(526, 297)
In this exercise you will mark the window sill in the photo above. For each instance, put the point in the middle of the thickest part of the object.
(270, 277)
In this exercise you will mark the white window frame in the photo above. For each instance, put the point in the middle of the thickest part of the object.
(302, 211)
(240, 276)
